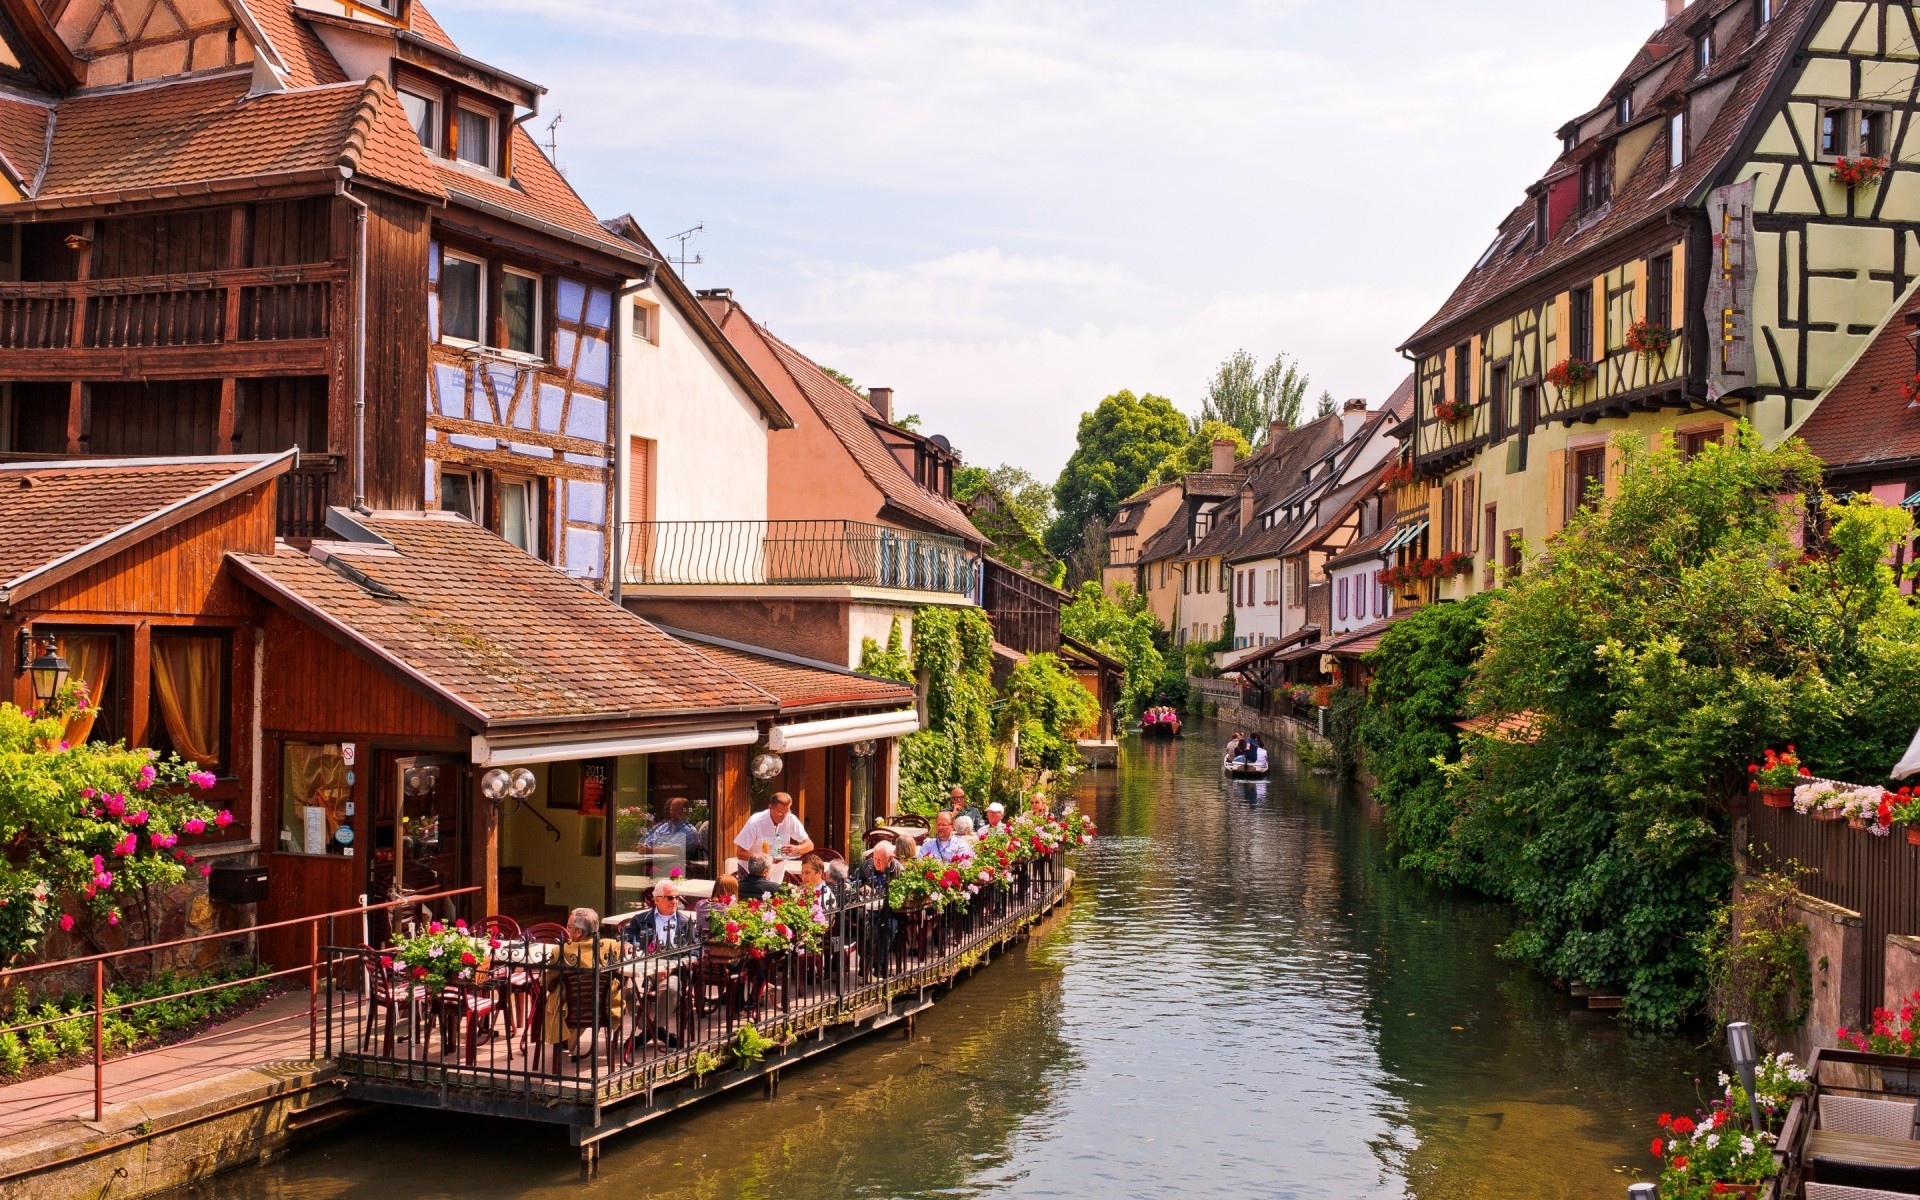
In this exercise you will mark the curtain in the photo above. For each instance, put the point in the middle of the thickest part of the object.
(312, 776)
(188, 685)
(89, 660)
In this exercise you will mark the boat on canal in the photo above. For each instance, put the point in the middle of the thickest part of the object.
(1241, 769)
(1160, 723)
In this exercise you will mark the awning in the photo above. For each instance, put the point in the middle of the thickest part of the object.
(1912, 501)
(842, 731)
(519, 754)
(1403, 537)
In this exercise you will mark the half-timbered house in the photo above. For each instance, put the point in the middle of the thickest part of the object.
(1715, 241)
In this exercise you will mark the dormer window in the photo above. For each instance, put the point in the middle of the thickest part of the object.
(1762, 12)
(1703, 52)
(473, 138)
(1676, 140)
(1596, 181)
(1623, 108)
(1569, 138)
(423, 113)
(1540, 220)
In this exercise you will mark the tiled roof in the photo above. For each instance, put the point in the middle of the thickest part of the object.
(1864, 417)
(1360, 641)
(51, 512)
(1133, 510)
(844, 412)
(428, 28)
(307, 59)
(1650, 191)
(23, 138)
(536, 190)
(495, 632)
(800, 683)
(1366, 547)
(210, 130)
(1400, 405)
(1212, 485)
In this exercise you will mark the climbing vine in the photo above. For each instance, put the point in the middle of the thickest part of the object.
(1049, 709)
(953, 661)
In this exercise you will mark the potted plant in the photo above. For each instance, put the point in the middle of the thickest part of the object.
(1451, 411)
(444, 954)
(1713, 1155)
(1569, 374)
(1820, 800)
(1903, 809)
(1398, 475)
(1777, 1079)
(1893, 1031)
(1864, 171)
(757, 928)
(1867, 808)
(1649, 340)
(1775, 777)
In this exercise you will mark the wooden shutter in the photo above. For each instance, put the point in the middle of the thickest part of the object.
(1677, 290)
(640, 479)
(1556, 491)
(1433, 519)
(1449, 494)
(1469, 493)
(1601, 307)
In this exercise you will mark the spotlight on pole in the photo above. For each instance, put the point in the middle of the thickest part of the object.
(1745, 1056)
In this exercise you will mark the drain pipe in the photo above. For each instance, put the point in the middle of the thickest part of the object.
(359, 347)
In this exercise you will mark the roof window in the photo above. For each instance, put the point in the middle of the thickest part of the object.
(1703, 52)
(1623, 108)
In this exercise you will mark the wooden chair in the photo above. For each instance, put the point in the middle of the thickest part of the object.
(1881, 1118)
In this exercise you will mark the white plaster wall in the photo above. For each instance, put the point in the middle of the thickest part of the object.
(710, 460)
(1364, 576)
(1258, 622)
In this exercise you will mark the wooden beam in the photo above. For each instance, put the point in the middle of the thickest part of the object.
(300, 356)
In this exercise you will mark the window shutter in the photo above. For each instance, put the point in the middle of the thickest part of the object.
(1677, 290)
(1433, 518)
(1600, 310)
(1469, 491)
(1556, 491)
(639, 479)
(1448, 508)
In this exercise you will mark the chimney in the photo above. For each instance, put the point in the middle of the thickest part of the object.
(1351, 417)
(1246, 506)
(1675, 8)
(1276, 428)
(882, 401)
(1223, 452)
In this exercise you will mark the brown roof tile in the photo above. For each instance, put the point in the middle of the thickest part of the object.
(1865, 416)
(1650, 192)
(494, 631)
(800, 683)
(428, 28)
(23, 138)
(307, 59)
(536, 190)
(50, 511)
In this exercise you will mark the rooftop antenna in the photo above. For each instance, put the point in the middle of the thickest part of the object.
(680, 260)
(553, 141)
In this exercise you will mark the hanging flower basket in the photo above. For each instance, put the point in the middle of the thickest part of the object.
(1570, 374)
(1911, 390)
(1452, 411)
(1858, 172)
(1397, 475)
(1649, 340)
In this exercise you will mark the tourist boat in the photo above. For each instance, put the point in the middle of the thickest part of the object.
(1244, 770)
(1160, 724)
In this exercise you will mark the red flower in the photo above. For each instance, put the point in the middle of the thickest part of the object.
(1680, 1162)
(1666, 1120)
(1682, 1126)
(467, 959)
(419, 972)
(386, 960)
(1657, 1147)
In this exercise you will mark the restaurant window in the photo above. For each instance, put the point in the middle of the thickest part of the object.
(520, 514)
(94, 662)
(189, 698)
(462, 298)
(460, 492)
(1580, 318)
(423, 113)
(473, 138)
(1588, 478)
(1660, 291)
(520, 311)
(314, 800)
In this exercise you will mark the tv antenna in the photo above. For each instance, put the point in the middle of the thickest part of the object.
(680, 260)
(553, 141)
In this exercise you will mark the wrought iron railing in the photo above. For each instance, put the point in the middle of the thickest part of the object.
(552, 1036)
(766, 553)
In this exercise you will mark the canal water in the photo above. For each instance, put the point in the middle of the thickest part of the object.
(1242, 1001)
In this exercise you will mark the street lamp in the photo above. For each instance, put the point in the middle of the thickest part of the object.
(1643, 1191)
(1745, 1056)
(47, 673)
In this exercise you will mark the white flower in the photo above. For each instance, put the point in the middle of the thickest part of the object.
(1746, 1145)
(1724, 1081)
(1713, 1139)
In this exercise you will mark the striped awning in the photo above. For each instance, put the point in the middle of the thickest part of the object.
(1912, 501)
(1403, 537)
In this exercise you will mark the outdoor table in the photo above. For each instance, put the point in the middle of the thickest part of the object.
(1864, 1160)
(690, 889)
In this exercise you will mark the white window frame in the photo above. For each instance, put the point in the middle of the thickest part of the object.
(436, 127)
(476, 482)
(1677, 140)
(531, 486)
(539, 301)
(480, 303)
(1703, 52)
(646, 322)
(492, 164)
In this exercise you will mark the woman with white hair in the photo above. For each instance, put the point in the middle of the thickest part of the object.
(963, 832)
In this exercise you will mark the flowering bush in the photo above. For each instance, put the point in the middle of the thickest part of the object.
(1696, 1155)
(442, 955)
(929, 882)
(1399, 474)
(1570, 373)
(1777, 771)
(774, 925)
(1649, 340)
(1893, 1030)
(1858, 172)
(1777, 1079)
(1452, 411)
(1078, 827)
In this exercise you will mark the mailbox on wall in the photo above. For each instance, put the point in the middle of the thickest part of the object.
(231, 883)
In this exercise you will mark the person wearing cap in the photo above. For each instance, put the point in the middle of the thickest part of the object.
(996, 820)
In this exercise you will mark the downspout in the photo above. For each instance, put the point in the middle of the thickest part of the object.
(359, 347)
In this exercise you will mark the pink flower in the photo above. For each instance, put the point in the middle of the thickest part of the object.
(103, 880)
(205, 871)
(165, 841)
(196, 825)
(116, 806)
(200, 779)
(126, 845)
(436, 927)
(139, 818)
(87, 793)
(224, 819)
(66, 922)
(99, 863)
(674, 873)
(146, 779)
(113, 918)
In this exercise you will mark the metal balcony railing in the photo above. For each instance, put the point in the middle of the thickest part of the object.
(774, 553)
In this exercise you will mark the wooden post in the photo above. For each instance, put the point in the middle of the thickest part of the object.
(313, 989)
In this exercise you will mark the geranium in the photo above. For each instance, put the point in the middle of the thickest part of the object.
(1776, 1081)
(1892, 1031)
(1649, 340)
(1399, 474)
(1570, 373)
(929, 882)
(441, 955)
(1452, 411)
(1699, 1156)
(1864, 171)
(1776, 771)
(776, 925)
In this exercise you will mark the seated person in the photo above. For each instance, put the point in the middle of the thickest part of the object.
(963, 833)
(676, 833)
(666, 927)
(775, 831)
(837, 879)
(757, 883)
(943, 845)
(1237, 748)
(996, 820)
(876, 872)
(814, 885)
(726, 890)
(584, 949)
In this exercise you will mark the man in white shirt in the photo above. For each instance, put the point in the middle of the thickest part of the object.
(943, 845)
(775, 832)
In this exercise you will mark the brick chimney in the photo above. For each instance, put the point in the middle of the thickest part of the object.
(882, 401)
(1246, 506)
(1274, 430)
(1223, 455)
(1675, 8)
(1351, 417)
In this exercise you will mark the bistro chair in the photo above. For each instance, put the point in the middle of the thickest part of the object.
(504, 928)
(467, 1008)
(1881, 1118)
(389, 995)
(547, 932)
(585, 1009)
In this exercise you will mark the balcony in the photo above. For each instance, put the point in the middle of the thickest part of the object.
(300, 501)
(821, 553)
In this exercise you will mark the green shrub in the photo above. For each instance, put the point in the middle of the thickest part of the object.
(13, 1056)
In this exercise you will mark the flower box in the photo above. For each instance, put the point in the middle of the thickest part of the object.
(1649, 340)
(1569, 374)
(1777, 797)
(1858, 172)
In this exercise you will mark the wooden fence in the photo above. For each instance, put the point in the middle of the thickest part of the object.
(1877, 877)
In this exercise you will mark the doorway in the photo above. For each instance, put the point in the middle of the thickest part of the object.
(418, 833)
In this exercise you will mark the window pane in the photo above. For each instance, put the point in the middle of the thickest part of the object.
(423, 115)
(476, 138)
(313, 799)
(460, 300)
(1676, 141)
(516, 515)
(457, 494)
(519, 304)
(190, 698)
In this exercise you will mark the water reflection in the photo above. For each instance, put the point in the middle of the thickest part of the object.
(1243, 1001)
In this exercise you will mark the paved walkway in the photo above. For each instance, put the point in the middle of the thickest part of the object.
(274, 1032)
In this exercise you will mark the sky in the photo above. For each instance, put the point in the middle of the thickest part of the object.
(1006, 211)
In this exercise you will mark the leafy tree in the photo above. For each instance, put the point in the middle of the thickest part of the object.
(1122, 627)
(1048, 706)
(1242, 395)
(1017, 518)
(1120, 443)
(911, 423)
(953, 656)
(1196, 454)
(845, 378)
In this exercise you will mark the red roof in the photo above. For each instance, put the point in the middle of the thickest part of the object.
(299, 48)
(23, 138)
(1649, 192)
(493, 631)
(536, 190)
(1865, 417)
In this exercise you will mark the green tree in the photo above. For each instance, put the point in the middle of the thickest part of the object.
(1327, 406)
(1015, 514)
(1196, 454)
(845, 378)
(1250, 399)
(1120, 443)
(1122, 627)
(1048, 706)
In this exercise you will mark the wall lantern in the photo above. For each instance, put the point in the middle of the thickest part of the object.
(47, 673)
(766, 766)
(500, 786)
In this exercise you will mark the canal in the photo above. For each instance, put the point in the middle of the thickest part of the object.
(1242, 1001)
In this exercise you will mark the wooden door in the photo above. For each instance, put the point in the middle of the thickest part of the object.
(305, 885)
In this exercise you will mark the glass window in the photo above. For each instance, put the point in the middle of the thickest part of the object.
(1660, 291)
(1703, 51)
(1589, 477)
(1833, 133)
(1677, 140)
(518, 521)
(314, 795)
(473, 138)
(190, 698)
(93, 663)
(424, 115)
(1696, 442)
(1871, 144)
(520, 305)
(460, 493)
(462, 303)
(1626, 108)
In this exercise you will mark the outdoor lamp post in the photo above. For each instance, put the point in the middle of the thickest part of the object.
(1643, 1191)
(1745, 1056)
(47, 673)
